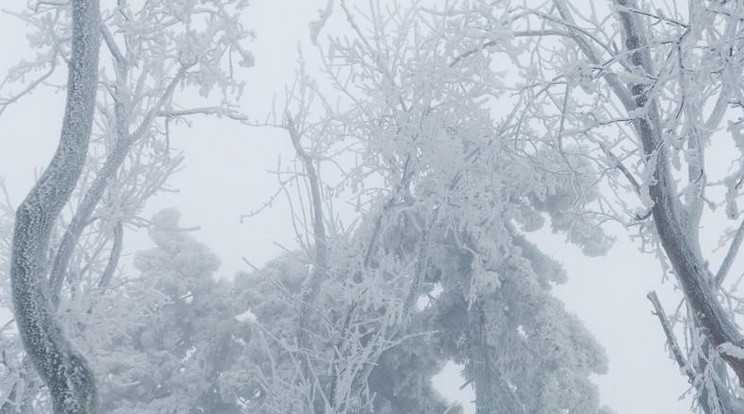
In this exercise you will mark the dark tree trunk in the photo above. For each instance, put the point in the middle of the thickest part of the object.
(64, 370)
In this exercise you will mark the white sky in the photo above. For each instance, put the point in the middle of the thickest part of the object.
(226, 176)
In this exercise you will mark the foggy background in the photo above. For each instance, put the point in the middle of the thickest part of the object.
(225, 176)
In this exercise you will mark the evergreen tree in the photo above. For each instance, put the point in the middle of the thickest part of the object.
(171, 354)
(520, 347)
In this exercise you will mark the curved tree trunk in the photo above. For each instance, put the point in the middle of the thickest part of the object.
(64, 370)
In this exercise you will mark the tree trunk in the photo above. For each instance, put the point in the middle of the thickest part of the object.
(487, 381)
(668, 214)
(64, 370)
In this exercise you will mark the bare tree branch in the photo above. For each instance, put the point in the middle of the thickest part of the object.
(728, 260)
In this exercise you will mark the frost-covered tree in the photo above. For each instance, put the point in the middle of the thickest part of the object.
(63, 368)
(189, 342)
(176, 341)
(643, 91)
(154, 55)
(523, 351)
(444, 198)
(605, 115)
(343, 336)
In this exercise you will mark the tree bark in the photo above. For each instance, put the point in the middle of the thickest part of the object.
(63, 369)
(480, 363)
